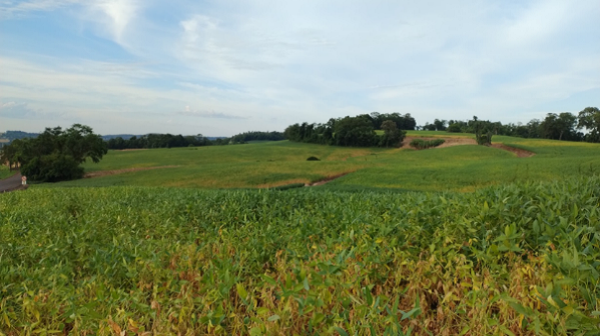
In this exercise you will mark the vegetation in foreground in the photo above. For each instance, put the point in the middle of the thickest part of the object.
(503, 260)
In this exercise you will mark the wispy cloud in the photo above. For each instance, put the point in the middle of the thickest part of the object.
(10, 9)
(208, 114)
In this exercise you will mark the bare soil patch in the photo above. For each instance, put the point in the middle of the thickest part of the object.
(121, 171)
(449, 142)
(520, 152)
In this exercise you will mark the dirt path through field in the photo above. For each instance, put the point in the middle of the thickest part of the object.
(121, 171)
(522, 153)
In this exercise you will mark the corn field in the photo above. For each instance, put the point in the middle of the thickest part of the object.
(506, 260)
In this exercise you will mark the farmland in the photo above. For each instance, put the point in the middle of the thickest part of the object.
(476, 242)
(459, 168)
(514, 259)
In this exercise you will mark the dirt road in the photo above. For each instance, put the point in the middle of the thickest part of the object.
(11, 183)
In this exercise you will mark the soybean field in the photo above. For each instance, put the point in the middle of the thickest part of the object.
(512, 259)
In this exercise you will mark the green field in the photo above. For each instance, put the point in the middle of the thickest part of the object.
(507, 260)
(464, 240)
(459, 168)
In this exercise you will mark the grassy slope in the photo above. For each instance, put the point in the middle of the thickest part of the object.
(460, 168)
(253, 165)
(466, 168)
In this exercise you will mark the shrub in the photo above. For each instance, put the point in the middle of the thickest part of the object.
(424, 144)
(313, 158)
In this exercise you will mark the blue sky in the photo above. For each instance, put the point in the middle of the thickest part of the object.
(223, 67)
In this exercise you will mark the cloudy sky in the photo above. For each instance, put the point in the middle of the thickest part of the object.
(224, 67)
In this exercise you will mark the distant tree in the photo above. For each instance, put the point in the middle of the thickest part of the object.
(589, 118)
(392, 136)
(483, 131)
(559, 126)
(440, 125)
(56, 155)
(429, 127)
(355, 132)
(454, 128)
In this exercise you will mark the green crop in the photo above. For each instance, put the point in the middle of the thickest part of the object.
(516, 259)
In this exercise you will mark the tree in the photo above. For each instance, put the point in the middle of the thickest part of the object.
(483, 131)
(56, 155)
(440, 125)
(589, 118)
(454, 128)
(392, 136)
(355, 132)
(559, 126)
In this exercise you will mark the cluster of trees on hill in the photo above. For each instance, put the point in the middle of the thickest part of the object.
(256, 136)
(157, 141)
(356, 131)
(56, 154)
(172, 141)
(561, 126)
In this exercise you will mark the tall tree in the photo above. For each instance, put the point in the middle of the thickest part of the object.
(589, 118)
(392, 136)
(56, 155)
(559, 126)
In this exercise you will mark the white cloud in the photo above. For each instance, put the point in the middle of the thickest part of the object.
(119, 14)
(295, 61)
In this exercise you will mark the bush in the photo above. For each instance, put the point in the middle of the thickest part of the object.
(313, 158)
(424, 144)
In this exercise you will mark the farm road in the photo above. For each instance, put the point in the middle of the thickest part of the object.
(10, 184)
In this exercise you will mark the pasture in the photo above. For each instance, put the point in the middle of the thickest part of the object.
(270, 164)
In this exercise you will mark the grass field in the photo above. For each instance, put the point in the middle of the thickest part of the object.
(459, 168)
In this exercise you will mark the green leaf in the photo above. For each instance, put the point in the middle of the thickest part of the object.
(241, 291)
(519, 308)
(273, 318)
(255, 331)
(340, 331)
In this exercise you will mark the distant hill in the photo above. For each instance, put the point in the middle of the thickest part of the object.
(14, 135)
(123, 136)
(129, 136)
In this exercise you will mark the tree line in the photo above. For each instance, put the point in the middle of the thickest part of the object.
(173, 141)
(356, 131)
(56, 154)
(556, 126)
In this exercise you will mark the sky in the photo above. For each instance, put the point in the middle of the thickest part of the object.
(223, 67)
